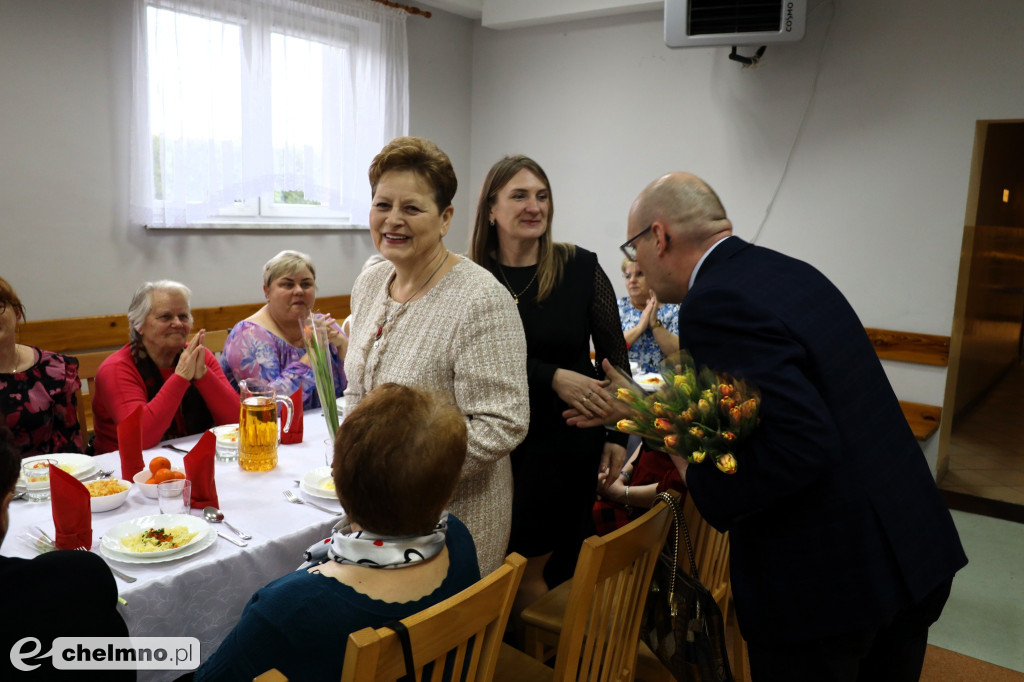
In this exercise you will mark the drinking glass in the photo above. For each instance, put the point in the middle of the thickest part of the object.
(175, 496)
(37, 479)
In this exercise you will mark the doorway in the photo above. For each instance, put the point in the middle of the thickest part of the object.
(981, 464)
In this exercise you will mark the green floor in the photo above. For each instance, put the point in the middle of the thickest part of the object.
(984, 616)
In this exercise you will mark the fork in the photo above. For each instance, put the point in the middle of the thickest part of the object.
(106, 474)
(123, 576)
(175, 448)
(292, 497)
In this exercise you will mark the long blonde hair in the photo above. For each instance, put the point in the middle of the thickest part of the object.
(483, 247)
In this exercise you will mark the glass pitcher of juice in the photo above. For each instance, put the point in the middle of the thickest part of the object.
(257, 425)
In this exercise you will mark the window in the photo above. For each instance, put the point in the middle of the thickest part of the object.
(262, 113)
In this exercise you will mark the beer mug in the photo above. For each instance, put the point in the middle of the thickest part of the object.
(257, 425)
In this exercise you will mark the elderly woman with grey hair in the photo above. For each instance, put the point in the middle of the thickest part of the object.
(268, 345)
(178, 382)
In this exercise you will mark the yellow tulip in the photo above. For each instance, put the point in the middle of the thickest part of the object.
(726, 464)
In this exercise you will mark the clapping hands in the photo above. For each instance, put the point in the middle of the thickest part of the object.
(192, 361)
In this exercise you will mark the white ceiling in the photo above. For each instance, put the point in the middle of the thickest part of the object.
(504, 14)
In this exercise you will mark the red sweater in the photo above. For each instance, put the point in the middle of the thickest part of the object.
(120, 389)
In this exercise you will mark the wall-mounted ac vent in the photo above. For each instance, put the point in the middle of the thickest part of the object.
(703, 23)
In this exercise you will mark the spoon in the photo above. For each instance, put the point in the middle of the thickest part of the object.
(292, 497)
(214, 515)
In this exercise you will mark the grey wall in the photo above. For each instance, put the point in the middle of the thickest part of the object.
(65, 242)
(876, 191)
(875, 194)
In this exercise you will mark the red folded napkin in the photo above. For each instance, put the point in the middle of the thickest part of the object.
(199, 468)
(129, 444)
(72, 512)
(294, 432)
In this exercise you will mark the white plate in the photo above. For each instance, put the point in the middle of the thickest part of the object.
(111, 541)
(312, 483)
(650, 382)
(193, 548)
(83, 466)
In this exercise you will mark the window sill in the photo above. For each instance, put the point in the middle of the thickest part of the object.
(289, 225)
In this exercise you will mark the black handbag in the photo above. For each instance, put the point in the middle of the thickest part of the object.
(682, 623)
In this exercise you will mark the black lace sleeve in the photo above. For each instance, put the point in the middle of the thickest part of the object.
(606, 329)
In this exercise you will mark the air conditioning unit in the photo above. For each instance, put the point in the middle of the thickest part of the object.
(704, 23)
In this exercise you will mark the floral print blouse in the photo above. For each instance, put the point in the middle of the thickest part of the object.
(39, 405)
(253, 352)
(645, 351)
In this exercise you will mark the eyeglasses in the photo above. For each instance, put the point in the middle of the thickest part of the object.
(633, 275)
(629, 248)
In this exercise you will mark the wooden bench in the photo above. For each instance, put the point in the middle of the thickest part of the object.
(92, 339)
(926, 349)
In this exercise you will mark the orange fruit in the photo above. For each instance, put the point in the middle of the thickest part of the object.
(177, 474)
(163, 475)
(152, 480)
(158, 463)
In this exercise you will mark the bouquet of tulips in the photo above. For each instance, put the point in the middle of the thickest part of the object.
(698, 414)
(314, 333)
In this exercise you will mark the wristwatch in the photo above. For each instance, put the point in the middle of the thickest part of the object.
(655, 322)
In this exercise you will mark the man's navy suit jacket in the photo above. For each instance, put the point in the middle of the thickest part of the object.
(834, 518)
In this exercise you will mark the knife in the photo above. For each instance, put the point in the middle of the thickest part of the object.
(234, 540)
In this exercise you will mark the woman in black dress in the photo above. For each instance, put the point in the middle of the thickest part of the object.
(565, 300)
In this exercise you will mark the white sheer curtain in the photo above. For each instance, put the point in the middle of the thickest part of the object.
(233, 99)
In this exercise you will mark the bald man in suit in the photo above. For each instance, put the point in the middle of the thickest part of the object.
(842, 550)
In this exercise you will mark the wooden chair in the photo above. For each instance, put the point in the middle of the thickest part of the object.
(88, 363)
(272, 675)
(593, 621)
(478, 614)
(711, 554)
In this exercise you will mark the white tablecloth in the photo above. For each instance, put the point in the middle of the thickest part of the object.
(202, 596)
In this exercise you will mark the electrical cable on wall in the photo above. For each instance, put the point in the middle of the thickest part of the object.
(803, 120)
(748, 62)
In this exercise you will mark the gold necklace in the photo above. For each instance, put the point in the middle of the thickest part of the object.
(515, 296)
(401, 306)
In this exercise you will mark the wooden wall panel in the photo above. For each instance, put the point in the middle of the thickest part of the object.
(102, 332)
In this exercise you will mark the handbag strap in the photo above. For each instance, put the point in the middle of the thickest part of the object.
(403, 637)
(679, 524)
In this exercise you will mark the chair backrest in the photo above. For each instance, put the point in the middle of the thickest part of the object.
(88, 363)
(710, 553)
(601, 627)
(470, 625)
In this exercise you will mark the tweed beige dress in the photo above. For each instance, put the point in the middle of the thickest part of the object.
(463, 339)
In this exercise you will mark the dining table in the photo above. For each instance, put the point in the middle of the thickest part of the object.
(202, 595)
